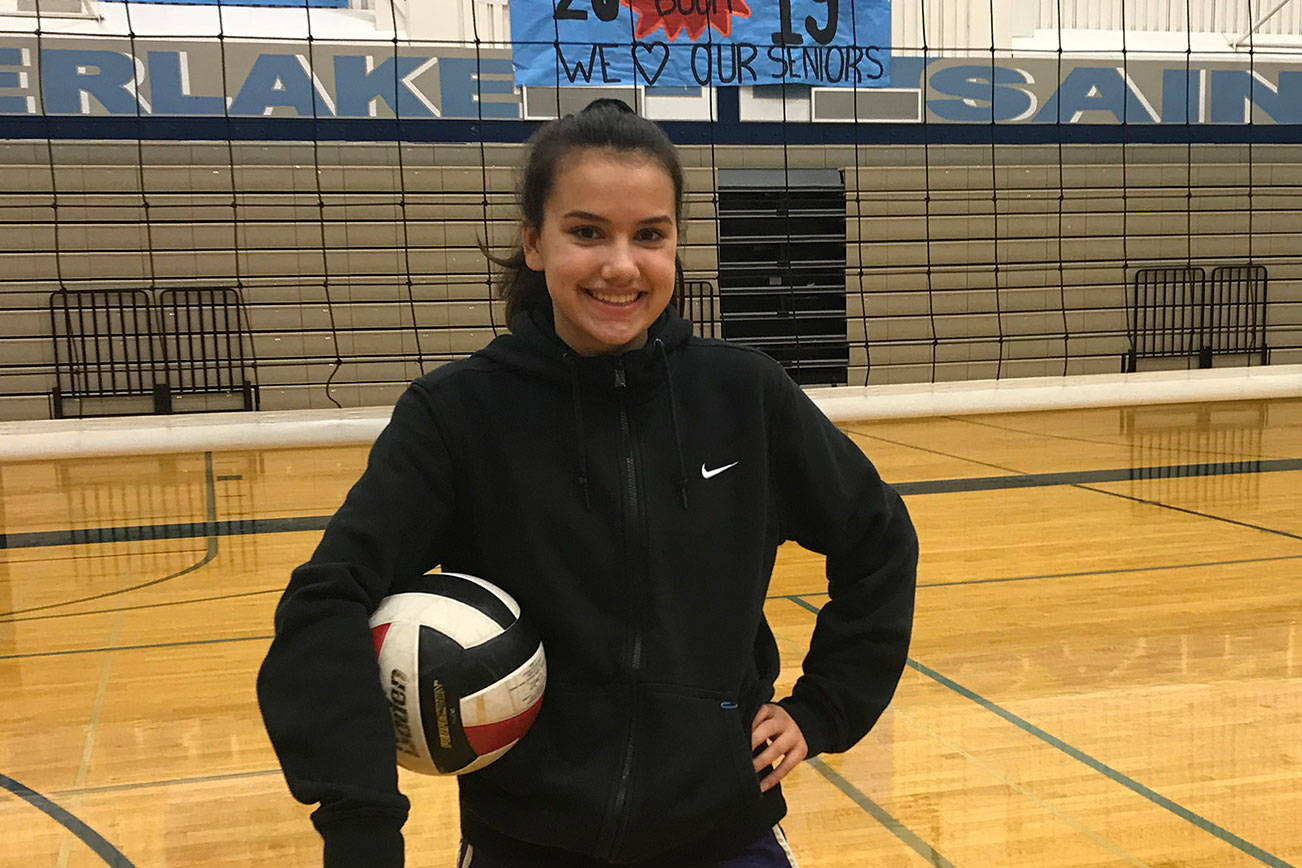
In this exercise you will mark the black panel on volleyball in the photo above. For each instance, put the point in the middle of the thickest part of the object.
(782, 268)
(442, 671)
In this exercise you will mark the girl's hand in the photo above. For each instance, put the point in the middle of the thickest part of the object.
(772, 725)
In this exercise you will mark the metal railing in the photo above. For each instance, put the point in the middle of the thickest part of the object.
(1180, 313)
(113, 344)
(203, 343)
(1234, 315)
(104, 348)
(698, 302)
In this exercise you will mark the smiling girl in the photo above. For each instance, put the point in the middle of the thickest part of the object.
(629, 485)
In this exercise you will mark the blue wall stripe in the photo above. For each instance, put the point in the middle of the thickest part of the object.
(92, 839)
(725, 132)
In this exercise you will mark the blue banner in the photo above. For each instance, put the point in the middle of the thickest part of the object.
(701, 43)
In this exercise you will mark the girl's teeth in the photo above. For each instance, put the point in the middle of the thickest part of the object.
(613, 299)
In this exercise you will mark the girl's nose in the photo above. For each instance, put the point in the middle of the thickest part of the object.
(620, 266)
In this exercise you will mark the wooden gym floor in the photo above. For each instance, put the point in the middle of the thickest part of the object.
(1106, 669)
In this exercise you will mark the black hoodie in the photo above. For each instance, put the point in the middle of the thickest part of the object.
(633, 505)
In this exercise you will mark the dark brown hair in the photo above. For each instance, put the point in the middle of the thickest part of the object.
(605, 124)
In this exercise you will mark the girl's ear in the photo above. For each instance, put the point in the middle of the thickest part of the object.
(529, 243)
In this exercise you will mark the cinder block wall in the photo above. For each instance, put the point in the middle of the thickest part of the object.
(963, 262)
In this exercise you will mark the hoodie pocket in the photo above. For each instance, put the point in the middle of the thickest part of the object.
(553, 788)
(692, 771)
(573, 782)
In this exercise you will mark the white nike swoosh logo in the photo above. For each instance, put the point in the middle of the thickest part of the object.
(710, 474)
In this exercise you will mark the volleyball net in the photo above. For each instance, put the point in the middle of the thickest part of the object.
(292, 197)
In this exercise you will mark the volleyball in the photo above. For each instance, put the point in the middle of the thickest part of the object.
(463, 671)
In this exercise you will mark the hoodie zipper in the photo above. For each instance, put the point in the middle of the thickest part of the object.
(635, 653)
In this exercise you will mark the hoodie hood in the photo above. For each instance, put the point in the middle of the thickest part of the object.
(533, 347)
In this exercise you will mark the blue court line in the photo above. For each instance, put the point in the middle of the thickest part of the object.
(1102, 768)
(279, 589)
(134, 647)
(1122, 474)
(140, 606)
(148, 532)
(1082, 573)
(1188, 511)
(1107, 771)
(791, 597)
(1017, 479)
(210, 553)
(92, 839)
(240, 527)
(170, 782)
(202, 562)
(878, 813)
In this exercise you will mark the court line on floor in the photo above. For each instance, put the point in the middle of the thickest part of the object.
(210, 511)
(1078, 479)
(139, 606)
(772, 596)
(983, 423)
(1020, 479)
(175, 530)
(88, 836)
(1188, 511)
(958, 583)
(168, 782)
(1107, 771)
(1100, 840)
(209, 555)
(146, 647)
(1117, 571)
(1080, 756)
(881, 815)
(88, 744)
(1016, 479)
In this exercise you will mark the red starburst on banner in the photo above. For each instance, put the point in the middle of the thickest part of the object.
(693, 16)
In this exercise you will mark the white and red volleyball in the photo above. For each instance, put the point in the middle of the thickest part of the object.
(463, 671)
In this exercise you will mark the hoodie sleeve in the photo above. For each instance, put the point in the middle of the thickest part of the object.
(319, 686)
(832, 501)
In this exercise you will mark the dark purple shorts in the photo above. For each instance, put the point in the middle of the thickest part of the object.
(770, 851)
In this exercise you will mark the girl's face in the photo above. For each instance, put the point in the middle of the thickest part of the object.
(606, 247)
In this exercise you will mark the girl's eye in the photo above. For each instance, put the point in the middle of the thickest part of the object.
(651, 235)
(586, 233)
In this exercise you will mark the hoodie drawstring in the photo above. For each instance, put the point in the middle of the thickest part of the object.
(673, 420)
(578, 421)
